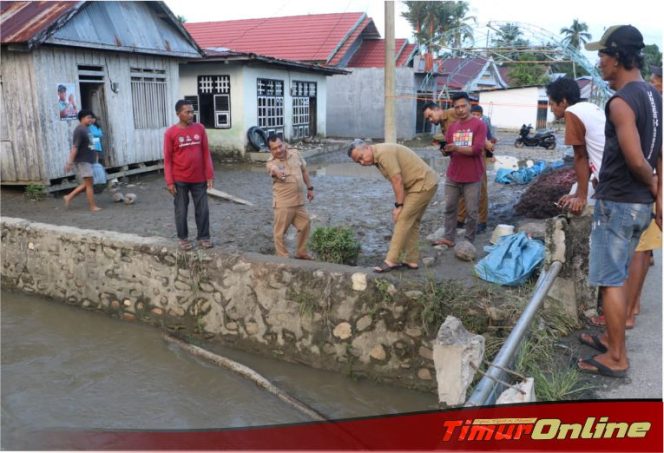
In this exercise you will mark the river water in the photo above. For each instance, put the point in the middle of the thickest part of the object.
(66, 368)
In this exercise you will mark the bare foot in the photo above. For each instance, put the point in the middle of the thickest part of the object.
(67, 201)
(95, 209)
(630, 322)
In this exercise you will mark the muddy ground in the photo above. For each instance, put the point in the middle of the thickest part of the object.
(345, 194)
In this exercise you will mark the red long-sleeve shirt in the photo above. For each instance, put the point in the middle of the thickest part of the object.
(186, 155)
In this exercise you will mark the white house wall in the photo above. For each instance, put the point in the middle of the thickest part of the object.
(230, 140)
(244, 104)
(512, 108)
(253, 73)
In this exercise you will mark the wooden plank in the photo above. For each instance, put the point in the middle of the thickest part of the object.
(227, 196)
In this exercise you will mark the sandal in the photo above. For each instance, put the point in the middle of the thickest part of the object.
(386, 268)
(445, 242)
(412, 267)
(594, 342)
(205, 244)
(304, 257)
(600, 368)
(185, 245)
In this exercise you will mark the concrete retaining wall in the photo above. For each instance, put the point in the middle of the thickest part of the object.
(322, 315)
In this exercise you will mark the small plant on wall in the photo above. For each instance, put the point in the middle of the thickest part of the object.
(35, 192)
(335, 245)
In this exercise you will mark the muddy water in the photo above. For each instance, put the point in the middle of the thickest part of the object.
(67, 368)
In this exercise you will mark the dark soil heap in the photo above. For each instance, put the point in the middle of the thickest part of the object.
(538, 201)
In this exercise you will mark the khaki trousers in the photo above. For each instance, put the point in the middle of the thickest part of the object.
(283, 219)
(406, 235)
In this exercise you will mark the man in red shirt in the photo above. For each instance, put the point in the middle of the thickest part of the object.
(188, 168)
(465, 146)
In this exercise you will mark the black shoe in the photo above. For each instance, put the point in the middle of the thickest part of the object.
(481, 228)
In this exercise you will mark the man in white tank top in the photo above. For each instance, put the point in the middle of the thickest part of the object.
(584, 131)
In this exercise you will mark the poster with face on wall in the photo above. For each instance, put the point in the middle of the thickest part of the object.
(67, 101)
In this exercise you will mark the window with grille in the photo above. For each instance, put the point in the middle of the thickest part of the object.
(270, 97)
(149, 95)
(214, 95)
(193, 100)
(301, 92)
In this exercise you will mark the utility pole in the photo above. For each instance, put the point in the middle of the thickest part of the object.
(390, 99)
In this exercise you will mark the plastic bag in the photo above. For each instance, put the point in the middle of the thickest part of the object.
(511, 261)
(98, 174)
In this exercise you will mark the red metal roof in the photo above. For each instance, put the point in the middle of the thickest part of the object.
(366, 24)
(372, 53)
(312, 37)
(21, 22)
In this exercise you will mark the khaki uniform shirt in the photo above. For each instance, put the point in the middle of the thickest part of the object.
(448, 117)
(290, 191)
(392, 159)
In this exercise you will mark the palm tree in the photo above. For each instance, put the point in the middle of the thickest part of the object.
(509, 36)
(460, 25)
(424, 17)
(576, 35)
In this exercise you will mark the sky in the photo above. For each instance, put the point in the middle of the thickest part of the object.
(550, 15)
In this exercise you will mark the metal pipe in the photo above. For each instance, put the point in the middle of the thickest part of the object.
(485, 391)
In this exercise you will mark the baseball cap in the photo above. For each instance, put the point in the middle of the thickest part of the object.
(618, 36)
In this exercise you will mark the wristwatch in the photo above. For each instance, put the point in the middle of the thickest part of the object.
(310, 188)
(398, 205)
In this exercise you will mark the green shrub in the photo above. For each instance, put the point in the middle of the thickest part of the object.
(335, 245)
(35, 192)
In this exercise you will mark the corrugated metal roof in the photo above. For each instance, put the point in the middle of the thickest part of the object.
(372, 53)
(303, 38)
(23, 22)
(457, 72)
(338, 54)
(144, 27)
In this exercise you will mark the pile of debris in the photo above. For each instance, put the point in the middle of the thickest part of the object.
(539, 200)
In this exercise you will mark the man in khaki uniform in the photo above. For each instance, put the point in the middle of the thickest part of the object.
(414, 184)
(434, 114)
(289, 179)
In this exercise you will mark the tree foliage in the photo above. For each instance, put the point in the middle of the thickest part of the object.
(439, 24)
(652, 57)
(523, 73)
(576, 34)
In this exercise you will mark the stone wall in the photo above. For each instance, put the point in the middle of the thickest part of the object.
(326, 316)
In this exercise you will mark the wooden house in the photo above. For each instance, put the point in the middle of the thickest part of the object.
(118, 59)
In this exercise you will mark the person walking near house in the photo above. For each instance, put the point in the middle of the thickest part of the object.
(188, 169)
(626, 189)
(489, 145)
(414, 184)
(465, 138)
(289, 179)
(81, 157)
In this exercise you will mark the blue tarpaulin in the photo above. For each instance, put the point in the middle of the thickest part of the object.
(511, 261)
(520, 176)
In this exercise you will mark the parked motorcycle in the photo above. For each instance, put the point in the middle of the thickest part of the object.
(545, 139)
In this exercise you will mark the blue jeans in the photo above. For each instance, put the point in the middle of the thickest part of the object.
(199, 195)
(616, 230)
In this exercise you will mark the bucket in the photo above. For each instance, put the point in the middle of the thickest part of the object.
(500, 231)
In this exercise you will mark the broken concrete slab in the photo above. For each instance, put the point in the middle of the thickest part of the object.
(523, 392)
(456, 355)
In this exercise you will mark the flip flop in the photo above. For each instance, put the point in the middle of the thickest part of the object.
(594, 342)
(597, 321)
(410, 266)
(600, 369)
(386, 268)
(304, 257)
(446, 242)
(185, 245)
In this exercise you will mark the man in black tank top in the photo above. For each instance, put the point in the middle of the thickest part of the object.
(626, 191)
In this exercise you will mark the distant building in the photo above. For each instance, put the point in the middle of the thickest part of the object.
(510, 108)
(118, 59)
(347, 41)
